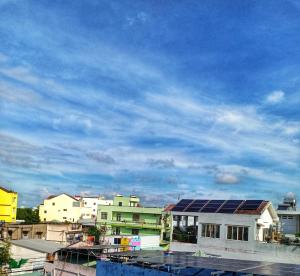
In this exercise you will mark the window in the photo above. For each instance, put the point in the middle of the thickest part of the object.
(103, 215)
(94, 203)
(229, 232)
(85, 203)
(290, 217)
(76, 204)
(210, 230)
(120, 203)
(44, 219)
(118, 231)
(45, 211)
(64, 217)
(25, 234)
(284, 217)
(119, 217)
(239, 233)
(94, 210)
(65, 210)
(135, 231)
(53, 203)
(136, 217)
(117, 240)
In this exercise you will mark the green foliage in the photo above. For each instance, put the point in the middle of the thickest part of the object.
(16, 264)
(4, 253)
(29, 215)
(94, 231)
(297, 235)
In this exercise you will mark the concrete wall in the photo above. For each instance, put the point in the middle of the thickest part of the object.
(68, 269)
(238, 250)
(146, 241)
(36, 260)
(23, 231)
(105, 268)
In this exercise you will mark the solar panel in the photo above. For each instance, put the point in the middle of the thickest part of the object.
(251, 205)
(230, 206)
(182, 204)
(196, 205)
(282, 208)
(212, 206)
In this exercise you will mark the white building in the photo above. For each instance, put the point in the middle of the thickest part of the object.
(288, 215)
(237, 229)
(90, 204)
(65, 207)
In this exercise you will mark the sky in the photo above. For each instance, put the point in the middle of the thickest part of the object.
(162, 99)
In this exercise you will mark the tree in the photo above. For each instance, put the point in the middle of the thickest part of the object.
(94, 231)
(4, 256)
(29, 215)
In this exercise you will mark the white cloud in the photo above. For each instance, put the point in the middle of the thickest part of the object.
(275, 97)
(227, 178)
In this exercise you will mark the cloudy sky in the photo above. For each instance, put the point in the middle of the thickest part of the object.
(161, 99)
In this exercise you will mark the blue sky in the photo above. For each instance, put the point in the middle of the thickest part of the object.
(157, 98)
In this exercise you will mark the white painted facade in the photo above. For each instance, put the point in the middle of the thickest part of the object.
(147, 242)
(90, 205)
(64, 207)
(255, 248)
(289, 221)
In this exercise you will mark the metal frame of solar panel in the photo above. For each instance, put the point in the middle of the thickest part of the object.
(212, 206)
(182, 204)
(230, 206)
(196, 205)
(250, 204)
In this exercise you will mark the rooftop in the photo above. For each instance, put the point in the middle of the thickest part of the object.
(250, 207)
(185, 262)
(38, 245)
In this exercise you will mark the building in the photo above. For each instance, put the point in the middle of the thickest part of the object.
(66, 208)
(91, 204)
(127, 217)
(8, 205)
(64, 233)
(60, 208)
(289, 216)
(32, 254)
(237, 229)
(158, 263)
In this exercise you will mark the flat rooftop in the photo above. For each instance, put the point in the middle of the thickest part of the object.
(178, 262)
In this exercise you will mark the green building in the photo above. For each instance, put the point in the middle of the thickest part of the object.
(127, 217)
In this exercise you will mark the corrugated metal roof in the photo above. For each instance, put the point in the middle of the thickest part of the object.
(42, 246)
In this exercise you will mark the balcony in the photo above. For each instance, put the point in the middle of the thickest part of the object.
(135, 224)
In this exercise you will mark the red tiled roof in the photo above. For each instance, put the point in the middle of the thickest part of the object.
(169, 207)
(258, 211)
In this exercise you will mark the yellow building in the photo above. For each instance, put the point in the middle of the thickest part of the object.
(8, 205)
(60, 208)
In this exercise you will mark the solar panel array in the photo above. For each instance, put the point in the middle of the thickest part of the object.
(196, 205)
(216, 206)
(230, 206)
(182, 204)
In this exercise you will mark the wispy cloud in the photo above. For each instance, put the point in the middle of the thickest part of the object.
(83, 109)
(275, 97)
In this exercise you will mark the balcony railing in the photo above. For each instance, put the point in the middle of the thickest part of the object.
(137, 224)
